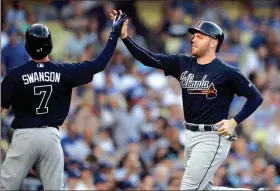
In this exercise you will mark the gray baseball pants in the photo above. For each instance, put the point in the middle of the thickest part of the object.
(204, 154)
(38, 147)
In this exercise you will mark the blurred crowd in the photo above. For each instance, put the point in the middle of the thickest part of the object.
(124, 129)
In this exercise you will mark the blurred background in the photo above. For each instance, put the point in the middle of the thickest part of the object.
(124, 129)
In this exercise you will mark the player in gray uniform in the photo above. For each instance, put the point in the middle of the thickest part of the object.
(39, 93)
(208, 86)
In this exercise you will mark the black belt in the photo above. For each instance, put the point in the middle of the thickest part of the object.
(199, 127)
(41, 127)
(19, 126)
(206, 127)
(54, 126)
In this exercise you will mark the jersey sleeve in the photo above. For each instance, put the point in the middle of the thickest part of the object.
(242, 86)
(82, 73)
(7, 90)
(77, 74)
(168, 63)
(171, 65)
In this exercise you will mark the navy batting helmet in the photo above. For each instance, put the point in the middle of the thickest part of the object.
(210, 29)
(38, 41)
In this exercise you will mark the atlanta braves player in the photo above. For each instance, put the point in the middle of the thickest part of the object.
(40, 94)
(208, 87)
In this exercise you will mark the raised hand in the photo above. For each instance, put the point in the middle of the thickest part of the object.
(115, 15)
(118, 20)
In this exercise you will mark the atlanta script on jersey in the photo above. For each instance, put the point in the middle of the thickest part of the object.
(198, 86)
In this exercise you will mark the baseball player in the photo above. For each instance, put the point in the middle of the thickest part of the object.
(208, 87)
(39, 93)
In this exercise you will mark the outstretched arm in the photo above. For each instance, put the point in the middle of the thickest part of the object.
(106, 54)
(87, 69)
(100, 62)
(146, 57)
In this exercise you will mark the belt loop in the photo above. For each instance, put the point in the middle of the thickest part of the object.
(201, 127)
(214, 128)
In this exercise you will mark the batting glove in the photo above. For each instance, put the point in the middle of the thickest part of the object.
(118, 23)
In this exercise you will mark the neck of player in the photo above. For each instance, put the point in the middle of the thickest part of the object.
(206, 59)
(46, 59)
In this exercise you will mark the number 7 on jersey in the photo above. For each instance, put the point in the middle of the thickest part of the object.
(44, 91)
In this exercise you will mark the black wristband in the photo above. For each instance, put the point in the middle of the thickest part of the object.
(114, 35)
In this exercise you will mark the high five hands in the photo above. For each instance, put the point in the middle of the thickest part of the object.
(120, 15)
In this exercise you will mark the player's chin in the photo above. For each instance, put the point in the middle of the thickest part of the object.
(194, 52)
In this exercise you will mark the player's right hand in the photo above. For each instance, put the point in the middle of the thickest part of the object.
(118, 19)
(124, 30)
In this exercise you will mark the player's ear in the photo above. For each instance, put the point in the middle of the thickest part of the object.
(214, 43)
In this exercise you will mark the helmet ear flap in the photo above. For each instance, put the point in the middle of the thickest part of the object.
(49, 48)
(220, 42)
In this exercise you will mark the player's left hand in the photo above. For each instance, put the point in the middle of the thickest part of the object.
(227, 126)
